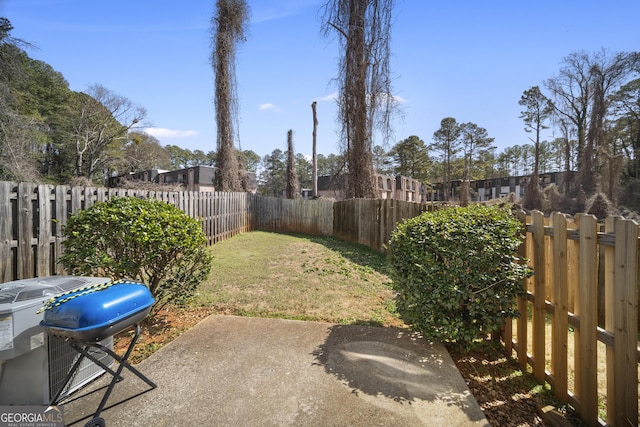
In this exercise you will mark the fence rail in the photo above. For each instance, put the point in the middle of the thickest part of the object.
(583, 300)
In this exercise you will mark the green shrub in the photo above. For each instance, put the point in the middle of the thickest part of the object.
(456, 271)
(145, 240)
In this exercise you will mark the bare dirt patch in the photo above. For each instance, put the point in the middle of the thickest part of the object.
(158, 330)
(506, 395)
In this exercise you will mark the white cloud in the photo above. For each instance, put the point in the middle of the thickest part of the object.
(331, 97)
(170, 133)
(268, 107)
(400, 100)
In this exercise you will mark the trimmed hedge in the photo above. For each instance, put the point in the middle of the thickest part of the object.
(145, 240)
(456, 271)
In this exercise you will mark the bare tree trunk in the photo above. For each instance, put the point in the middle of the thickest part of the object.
(365, 99)
(464, 193)
(360, 159)
(464, 188)
(589, 170)
(315, 156)
(533, 195)
(567, 164)
(228, 28)
(293, 191)
(447, 177)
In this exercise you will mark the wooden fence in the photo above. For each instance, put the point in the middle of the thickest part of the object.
(370, 222)
(581, 337)
(313, 217)
(363, 221)
(32, 217)
(583, 272)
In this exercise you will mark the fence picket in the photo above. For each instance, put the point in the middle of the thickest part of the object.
(25, 231)
(62, 212)
(43, 224)
(560, 326)
(6, 232)
(588, 314)
(539, 309)
(521, 325)
(626, 323)
(609, 312)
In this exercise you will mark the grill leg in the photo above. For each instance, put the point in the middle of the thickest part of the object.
(122, 360)
(117, 374)
(122, 364)
(83, 350)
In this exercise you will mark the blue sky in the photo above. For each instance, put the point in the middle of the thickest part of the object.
(466, 59)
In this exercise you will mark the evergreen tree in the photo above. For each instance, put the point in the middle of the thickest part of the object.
(410, 158)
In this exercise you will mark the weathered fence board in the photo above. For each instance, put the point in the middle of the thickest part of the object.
(7, 238)
(371, 222)
(313, 217)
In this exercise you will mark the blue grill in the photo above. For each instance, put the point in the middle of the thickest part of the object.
(93, 316)
(85, 316)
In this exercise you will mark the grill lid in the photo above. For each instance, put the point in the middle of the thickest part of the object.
(94, 316)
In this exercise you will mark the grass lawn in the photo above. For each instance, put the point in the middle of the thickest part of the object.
(299, 277)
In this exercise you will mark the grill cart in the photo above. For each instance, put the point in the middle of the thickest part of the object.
(85, 316)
